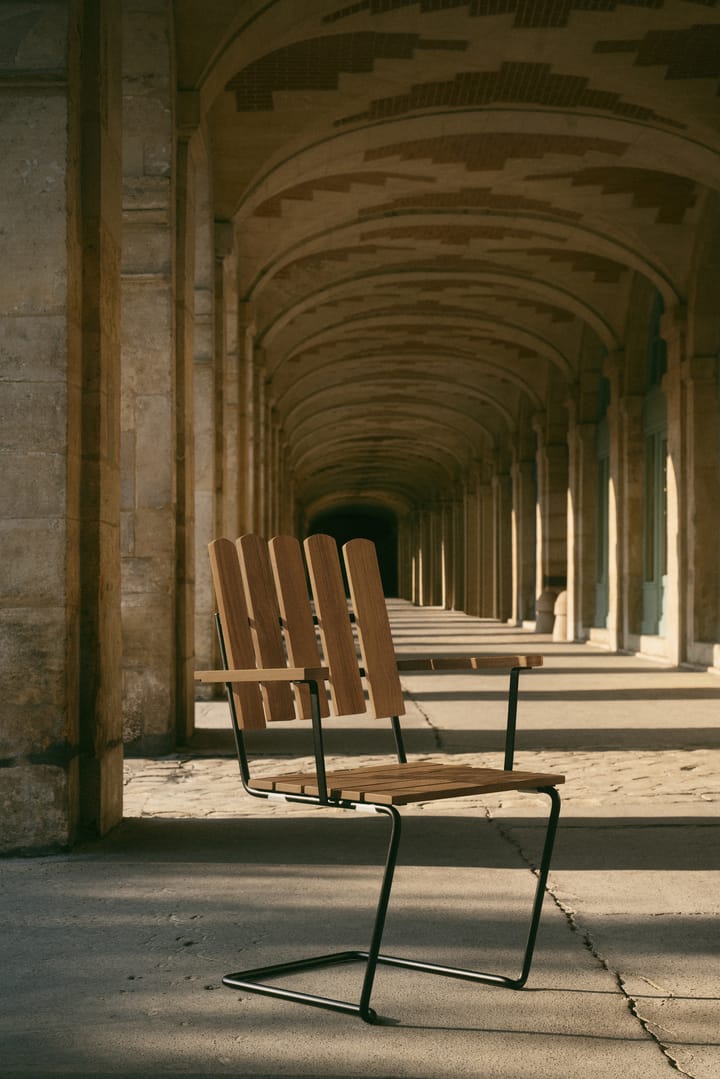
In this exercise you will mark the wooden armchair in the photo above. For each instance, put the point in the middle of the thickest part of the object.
(274, 670)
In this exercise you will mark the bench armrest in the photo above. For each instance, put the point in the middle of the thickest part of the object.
(266, 674)
(468, 663)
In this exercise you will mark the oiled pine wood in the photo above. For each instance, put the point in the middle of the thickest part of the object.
(296, 615)
(266, 674)
(470, 663)
(334, 623)
(398, 784)
(232, 609)
(265, 622)
(376, 643)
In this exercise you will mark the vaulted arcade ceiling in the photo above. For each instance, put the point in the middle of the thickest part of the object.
(441, 208)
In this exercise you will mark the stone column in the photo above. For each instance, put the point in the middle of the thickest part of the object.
(502, 546)
(551, 539)
(60, 215)
(625, 518)
(240, 413)
(487, 533)
(674, 331)
(472, 547)
(186, 163)
(458, 567)
(523, 541)
(148, 390)
(582, 526)
(702, 485)
(207, 359)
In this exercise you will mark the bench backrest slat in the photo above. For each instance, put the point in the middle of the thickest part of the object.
(336, 633)
(233, 612)
(296, 616)
(371, 619)
(262, 604)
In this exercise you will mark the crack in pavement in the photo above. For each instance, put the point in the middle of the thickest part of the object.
(575, 927)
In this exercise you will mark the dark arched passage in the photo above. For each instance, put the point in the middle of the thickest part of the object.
(366, 522)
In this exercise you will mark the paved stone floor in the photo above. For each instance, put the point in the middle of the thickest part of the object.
(115, 949)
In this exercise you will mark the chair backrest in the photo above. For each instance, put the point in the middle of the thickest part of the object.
(267, 620)
(371, 617)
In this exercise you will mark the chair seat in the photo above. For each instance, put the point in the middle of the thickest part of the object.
(400, 784)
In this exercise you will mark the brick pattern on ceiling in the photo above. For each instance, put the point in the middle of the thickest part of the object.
(492, 150)
(513, 83)
(671, 195)
(527, 13)
(691, 53)
(317, 63)
(472, 198)
(339, 183)
(604, 271)
(313, 263)
(455, 235)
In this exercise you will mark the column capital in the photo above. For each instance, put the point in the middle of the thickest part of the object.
(674, 323)
(223, 238)
(187, 113)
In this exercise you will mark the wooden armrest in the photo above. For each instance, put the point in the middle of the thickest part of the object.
(266, 674)
(467, 663)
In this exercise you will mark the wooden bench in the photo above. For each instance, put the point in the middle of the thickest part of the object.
(291, 652)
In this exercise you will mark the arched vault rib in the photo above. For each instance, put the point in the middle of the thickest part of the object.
(594, 240)
(375, 384)
(417, 417)
(487, 327)
(333, 369)
(549, 292)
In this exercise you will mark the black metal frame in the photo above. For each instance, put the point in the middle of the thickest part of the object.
(248, 979)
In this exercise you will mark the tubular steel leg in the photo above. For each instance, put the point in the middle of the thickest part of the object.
(247, 979)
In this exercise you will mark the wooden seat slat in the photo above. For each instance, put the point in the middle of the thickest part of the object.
(296, 616)
(401, 784)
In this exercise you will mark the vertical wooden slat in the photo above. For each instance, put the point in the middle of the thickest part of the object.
(334, 622)
(296, 615)
(265, 622)
(376, 643)
(232, 608)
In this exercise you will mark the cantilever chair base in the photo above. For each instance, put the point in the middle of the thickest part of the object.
(248, 980)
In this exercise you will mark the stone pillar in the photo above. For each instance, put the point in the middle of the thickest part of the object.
(582, 526)
(60, 216)
(551, 516)
(702, 485)
(523, 541)
(502, 546)
(674, 331)
(207, 358)
(186, 164)
(458, 513)
(472, 547)
(148, 387)
(487, 533)
(241, 425)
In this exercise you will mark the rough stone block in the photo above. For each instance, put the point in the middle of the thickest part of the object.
(32, 180)
(32, 485)
(32, 673)
(33, 808)
(32, 553)
(154, 449)
(33, 417)
(33, 349)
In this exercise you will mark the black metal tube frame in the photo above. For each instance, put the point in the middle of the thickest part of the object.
(248, 980)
